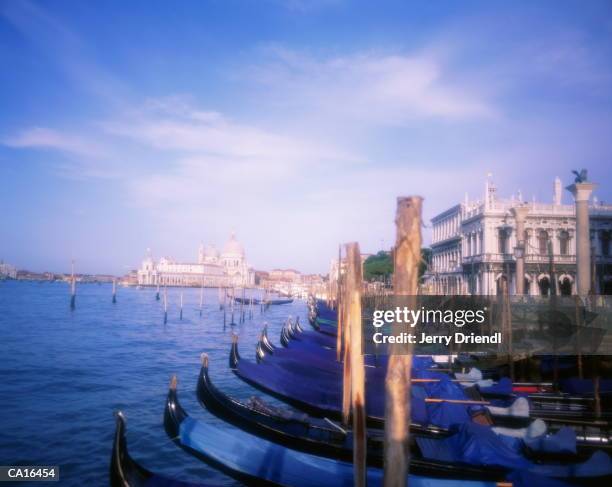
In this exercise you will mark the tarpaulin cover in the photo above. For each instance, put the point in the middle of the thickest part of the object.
(474, 444)
(563, 441)
(420, 362)
(418, 411)
(445, 389)
(503, 387)
(477, 444)
(445, 415)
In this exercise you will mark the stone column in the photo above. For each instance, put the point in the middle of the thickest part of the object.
(520, 213)
(582, 193)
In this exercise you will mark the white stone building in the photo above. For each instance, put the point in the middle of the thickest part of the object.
(474, 246)
(213, 269)
(7, 271)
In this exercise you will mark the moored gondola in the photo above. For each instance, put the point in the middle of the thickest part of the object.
(321, 436)
(126, 472)
(276, 302)
(253, 301)
(440, 402)
(464, 463)
(258, 461)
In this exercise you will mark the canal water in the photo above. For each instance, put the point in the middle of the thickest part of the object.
(63, 373)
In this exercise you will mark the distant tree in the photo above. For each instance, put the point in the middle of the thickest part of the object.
(378, 267)
(425, 261)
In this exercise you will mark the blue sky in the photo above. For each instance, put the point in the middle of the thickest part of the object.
(127, 125)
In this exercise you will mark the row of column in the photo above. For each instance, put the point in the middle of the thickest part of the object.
(443, 260)
(473, 244)
(446, 228)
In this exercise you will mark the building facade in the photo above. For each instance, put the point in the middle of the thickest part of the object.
(213, 269)
(475, 246)
(7, 271)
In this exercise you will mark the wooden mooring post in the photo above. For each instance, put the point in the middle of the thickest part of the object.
(72, 287)
(233, 306)
(181, 311)
(114, 290)
(407, 254)
(352, 299)
(242, 305)
(223, 307)
(339, 308)
(346, 357)
(165, 305)
(157, 293)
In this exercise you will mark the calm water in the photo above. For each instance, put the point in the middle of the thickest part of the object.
(64, 373)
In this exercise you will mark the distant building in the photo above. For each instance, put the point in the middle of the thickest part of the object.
(474, 245)
(287, 275)
(261, 276)
(24, 275)
(212, 269)
(7, 271)
(335, 271)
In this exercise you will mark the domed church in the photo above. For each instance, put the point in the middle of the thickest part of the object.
(213, 269)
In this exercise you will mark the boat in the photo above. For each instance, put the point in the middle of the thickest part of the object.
(319, 436)
(437, 400)
(274, 302)
(247, 300)
(266, 302)
(252, 458)
(126, 472)
(258, 461)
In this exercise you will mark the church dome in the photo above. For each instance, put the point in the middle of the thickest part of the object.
(211, 252)
(233, 247)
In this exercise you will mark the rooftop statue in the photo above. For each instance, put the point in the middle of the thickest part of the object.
(581, 177)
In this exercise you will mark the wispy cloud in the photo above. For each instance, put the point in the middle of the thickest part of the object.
(46, 138)
(174, 124)
(373, 87)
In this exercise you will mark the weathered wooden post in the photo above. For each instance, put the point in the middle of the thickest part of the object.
(339, 309)
(352, 298)
(346, 356)
(242, 305)
(181, 311)
(72, 287)
(223, 306)
(232, 305)
(114, 290)
(407, 255)
(507, 321)
(165, 305)
(157, 293)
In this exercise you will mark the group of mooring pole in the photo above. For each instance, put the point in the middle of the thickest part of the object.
(244, 312)
(348, 301)
(73, 290)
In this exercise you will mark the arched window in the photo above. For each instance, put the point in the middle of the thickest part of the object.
(503, 241)
(543, 242)
(564, 242)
